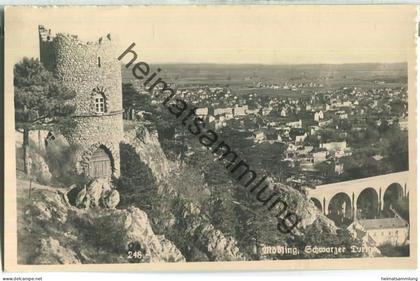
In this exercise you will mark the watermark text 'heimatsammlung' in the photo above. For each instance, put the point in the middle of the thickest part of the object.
(239, 169)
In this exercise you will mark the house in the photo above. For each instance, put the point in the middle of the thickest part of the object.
(339, 104)
(342, 114)
(377, 157)
(338, 168)
(283, 112)
(383, 231)
(253, 111)
(325, 123)
(202, 112)
(266, 110)
(319, 156)
(327, 107)
(223, 111)
(240, 110)
(334, 146)
(298, 135)
(342, 153)
(259, 136)
(307, 165)
(299, 139)
(313, 130)
(295, 124)
(210, 119)
(403, 124)
(318, 116)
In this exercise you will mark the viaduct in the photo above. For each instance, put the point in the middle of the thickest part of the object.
(379, 191)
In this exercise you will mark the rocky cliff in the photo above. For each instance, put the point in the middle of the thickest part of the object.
(52, 231)
(154, 222)
(178, 218)
(190, 229)
(183, 220)
(148, 149)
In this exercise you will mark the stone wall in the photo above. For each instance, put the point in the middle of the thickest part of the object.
(92, 132)
(88, 68)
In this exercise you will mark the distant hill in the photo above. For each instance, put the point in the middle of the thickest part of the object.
(243, 78)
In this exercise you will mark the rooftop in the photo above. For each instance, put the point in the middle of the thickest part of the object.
(383, 223)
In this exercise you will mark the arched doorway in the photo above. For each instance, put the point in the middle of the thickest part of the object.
(367, 204)
(339, 209)
(317, 203)
(100, 163)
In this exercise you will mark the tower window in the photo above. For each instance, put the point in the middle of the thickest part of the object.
(99, 61)
(99, 101)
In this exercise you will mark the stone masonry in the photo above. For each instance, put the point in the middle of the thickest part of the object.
(93, 72)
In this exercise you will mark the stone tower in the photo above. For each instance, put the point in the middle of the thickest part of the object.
(92, 70)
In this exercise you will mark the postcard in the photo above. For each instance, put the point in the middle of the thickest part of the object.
(210, 137)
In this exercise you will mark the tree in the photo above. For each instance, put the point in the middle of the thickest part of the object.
(41, 102)
(136, 184)
(221, 208)
(397, 152)
(133, 98)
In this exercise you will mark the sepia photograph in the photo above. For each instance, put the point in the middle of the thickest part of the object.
(208, 137)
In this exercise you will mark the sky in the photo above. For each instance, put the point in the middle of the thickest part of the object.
(228, 34)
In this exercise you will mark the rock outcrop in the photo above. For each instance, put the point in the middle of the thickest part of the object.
(304, 208)
(59, 233)
(51, 252)
(40, 168)
(204, 236)
(184, 223)
(98, 193)
(147, 146)
(82, 225)
(200, 240)
(110, 199)
(206, 241)
(123, 228)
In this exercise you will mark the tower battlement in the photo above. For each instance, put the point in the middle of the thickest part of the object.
(46, 35)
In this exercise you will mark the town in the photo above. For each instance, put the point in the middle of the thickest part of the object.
(313, 133)
(309, 135)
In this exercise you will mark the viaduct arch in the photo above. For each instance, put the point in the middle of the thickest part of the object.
(373, 193)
